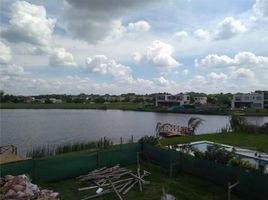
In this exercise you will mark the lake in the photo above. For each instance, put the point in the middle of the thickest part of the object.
(30, 128)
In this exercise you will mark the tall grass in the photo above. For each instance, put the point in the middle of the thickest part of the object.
(45, 151)
(240, 124)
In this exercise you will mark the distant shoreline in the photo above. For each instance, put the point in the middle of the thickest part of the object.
(126, 107)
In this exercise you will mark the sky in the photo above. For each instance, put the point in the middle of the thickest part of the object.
(122, 46)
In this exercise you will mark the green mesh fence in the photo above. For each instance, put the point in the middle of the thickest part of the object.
(252, 185)
(69, 166)
(24, 167)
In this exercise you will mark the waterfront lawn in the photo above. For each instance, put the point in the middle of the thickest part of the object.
(182, 185)
(118, 105)
(251, 141)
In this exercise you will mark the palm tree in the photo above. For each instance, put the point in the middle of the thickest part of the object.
(193, 123)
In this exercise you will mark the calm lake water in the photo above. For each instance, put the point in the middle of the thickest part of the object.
(30, 128)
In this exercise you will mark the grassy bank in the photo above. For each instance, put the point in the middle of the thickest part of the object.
(120, 105)
(182, 185)
(129, 106)
(252, 141)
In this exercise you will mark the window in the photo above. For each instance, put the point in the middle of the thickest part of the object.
(259, 98)
(238, 98)
(161, 97)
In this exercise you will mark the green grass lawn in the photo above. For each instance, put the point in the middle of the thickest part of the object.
(183, 186)
(119, 105)
(252, 141)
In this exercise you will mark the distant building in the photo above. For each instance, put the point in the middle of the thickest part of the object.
(200, 100)
(29, 99)
(41, 100)
(252, 100)
(54, 100)
(148, 98)
(170, 100)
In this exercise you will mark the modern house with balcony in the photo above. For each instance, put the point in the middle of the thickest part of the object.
(172, 100)
(251, 100)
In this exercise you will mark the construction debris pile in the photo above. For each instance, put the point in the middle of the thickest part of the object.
(21, 188)
(115, 179)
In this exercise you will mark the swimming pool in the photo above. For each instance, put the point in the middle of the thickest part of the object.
(254, 157)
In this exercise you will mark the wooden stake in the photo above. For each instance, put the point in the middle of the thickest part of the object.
(115, 190)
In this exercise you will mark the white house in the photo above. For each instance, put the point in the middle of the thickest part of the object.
(169, 100)
(201, 100)
(251, 100)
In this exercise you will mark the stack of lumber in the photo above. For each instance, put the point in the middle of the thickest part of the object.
(114, 179)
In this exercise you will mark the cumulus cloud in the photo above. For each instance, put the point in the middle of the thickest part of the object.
(214, 60)
(102, 65)
(182, 35)
(185, 72)
(261, 8)
(242, 59)
(5, 55)
(61, 58)
(242, 73)
(139, 26)
(215, 76)
(95, 20)
(162, 82)
(12, 70)
(29, 23)
(158, 54)
(229, 28)
(201, 34)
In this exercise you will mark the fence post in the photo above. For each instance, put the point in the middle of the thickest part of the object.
(34, 170)
(97, 159)
(170, 163)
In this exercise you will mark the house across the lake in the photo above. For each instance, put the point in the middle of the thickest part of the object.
(251, 100)
(171, 100)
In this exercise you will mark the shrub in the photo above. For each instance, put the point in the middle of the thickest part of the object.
(218, 153)
(215, 153)
(237, 122)
(198, 153)
(149, 140)
(264, 128)
(236, 162)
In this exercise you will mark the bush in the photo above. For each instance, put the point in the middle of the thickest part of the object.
(215, 153)
(264, 128)
(198, 153)
(236, 162)
(218, 154)
(237, 122)
(149, 140)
